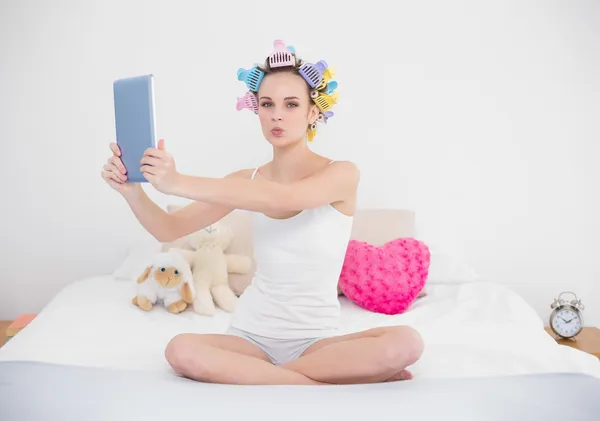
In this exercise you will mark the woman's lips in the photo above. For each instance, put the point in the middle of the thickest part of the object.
(277, 131)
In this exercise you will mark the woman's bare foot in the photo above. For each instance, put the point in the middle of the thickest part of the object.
(402, 375)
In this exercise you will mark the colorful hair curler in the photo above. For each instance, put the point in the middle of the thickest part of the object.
(331, 87)
(251, 77)
(248, 101)
(311, 133)
(281, 56)
(325, 102)
(313, 73)
(323, 117)
(328, 74)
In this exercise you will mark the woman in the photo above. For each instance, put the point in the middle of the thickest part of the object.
(284, 328)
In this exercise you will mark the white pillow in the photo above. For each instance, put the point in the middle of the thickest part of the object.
(139, 257)
(446, 268)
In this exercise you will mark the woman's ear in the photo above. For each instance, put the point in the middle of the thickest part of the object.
(313, 113)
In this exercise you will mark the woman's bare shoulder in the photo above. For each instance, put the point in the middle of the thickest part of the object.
(242, 173)
(351, 165)
(346, 168)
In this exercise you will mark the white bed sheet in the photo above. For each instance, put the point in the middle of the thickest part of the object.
(470, 330)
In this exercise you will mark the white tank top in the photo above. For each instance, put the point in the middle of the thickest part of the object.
(293, 293)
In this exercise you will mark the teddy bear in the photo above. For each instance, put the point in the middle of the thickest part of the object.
(168, 280)
(205, 251)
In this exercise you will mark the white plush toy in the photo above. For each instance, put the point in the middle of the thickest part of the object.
(211, 265)
(168, 280)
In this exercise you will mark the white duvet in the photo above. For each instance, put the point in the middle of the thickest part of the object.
(471, 329)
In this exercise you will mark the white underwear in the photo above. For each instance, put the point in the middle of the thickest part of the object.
(280, 351)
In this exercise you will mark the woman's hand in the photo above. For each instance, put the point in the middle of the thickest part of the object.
(114, 172)
(159, 169)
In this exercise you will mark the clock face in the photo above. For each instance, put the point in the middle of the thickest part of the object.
(566, 322)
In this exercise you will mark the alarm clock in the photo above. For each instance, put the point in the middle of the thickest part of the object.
(566, 319)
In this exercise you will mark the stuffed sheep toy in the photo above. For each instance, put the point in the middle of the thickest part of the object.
(168, 280)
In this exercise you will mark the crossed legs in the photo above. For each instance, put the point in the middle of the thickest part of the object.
(372, 356)
(227, 359)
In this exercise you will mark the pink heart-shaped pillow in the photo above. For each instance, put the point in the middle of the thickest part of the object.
(385, 279)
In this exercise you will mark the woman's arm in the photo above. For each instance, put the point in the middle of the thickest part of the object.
(336, 182)
(167, 227)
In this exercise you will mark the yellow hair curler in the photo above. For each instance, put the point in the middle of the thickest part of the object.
(328, 74)
(325, 102)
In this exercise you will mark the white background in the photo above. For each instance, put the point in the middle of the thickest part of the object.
(480, 116)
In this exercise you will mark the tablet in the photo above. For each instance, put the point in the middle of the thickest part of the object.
(134, 122)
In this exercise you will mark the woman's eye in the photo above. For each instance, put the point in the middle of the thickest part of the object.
(293, 104)
(265, 104)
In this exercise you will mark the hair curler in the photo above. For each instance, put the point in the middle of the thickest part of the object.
(281, 56)
(313, 73)
(248, 101)
(251, 77)
(325, 102)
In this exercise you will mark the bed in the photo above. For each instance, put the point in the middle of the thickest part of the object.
(91, 354)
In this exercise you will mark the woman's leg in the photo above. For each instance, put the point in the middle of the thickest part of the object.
(372, 356)
(226, 359)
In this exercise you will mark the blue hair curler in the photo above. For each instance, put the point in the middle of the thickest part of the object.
(331, 86)
(251, 77)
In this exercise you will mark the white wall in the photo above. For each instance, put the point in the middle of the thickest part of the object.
(481, 117)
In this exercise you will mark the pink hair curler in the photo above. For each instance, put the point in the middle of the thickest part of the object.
(247, 101)
(313, 73)
(281, 56)
(251, 77)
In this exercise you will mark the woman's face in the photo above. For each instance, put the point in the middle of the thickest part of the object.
(285, 109)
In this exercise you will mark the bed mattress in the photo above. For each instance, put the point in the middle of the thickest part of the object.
(470, 330)
(34, 391)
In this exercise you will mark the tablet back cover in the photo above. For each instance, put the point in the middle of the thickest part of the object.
(134, 121)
